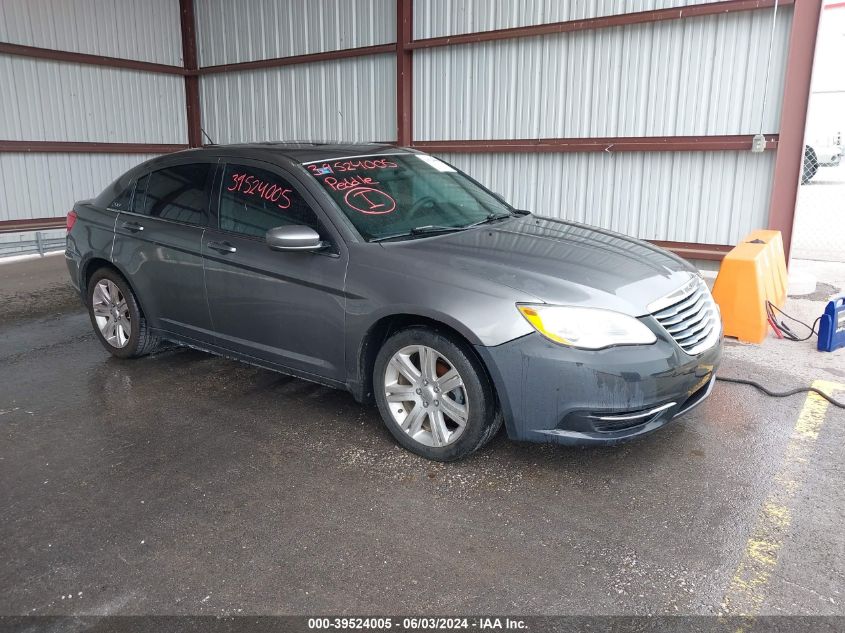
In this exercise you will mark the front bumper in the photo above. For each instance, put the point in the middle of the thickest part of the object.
(552, 393)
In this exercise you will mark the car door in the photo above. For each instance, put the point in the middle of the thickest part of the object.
(158, 245)
(285, 308)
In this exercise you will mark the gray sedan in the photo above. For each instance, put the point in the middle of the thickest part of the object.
(391, 274)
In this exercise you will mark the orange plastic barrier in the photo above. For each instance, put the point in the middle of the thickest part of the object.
(751, 274)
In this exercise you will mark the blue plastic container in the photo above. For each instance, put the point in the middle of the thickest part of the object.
(832, 325)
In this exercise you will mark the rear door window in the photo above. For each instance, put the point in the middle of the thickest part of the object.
(140, 197)
(254, 200)
(178, 193)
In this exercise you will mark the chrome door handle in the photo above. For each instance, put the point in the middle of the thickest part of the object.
(134, 227)
(222, 247)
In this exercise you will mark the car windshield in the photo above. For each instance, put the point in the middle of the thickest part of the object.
(396, 196)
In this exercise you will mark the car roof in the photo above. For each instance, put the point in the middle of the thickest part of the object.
(279, 152)
(302, 152)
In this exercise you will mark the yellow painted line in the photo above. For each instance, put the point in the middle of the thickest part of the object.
(747, 590)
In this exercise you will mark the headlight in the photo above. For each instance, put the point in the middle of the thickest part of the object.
(588, 328)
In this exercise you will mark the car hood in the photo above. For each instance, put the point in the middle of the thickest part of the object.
(554, 261)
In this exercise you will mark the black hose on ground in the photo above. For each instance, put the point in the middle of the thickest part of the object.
(783, 394)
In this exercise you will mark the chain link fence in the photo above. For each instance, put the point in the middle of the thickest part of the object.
(817, 157)
(819, 231)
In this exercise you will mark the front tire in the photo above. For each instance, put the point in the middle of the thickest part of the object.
(116, 316)
(434, 395)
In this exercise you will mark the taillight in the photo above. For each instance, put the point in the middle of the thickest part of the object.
(71, 220)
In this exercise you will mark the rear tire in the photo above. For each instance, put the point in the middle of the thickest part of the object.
(439, 424)
(116, 316)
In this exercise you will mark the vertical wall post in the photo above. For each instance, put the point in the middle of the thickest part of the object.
(192, 85)
(796, 98)
(404, 72)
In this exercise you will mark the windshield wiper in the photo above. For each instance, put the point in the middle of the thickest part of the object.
(491, 217)
(435, 228)
(430, 229)
(420, 230)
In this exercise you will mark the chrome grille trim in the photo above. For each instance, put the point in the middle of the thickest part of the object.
(633, 416)
(683, 325)
(690, 316)
(681, 306)
(678, 317)
(673, 297)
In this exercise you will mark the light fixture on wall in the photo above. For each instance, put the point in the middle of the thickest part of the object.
(758, 143)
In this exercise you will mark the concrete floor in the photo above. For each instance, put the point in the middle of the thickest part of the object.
(184, 483)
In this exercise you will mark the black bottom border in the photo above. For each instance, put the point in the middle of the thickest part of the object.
(402, 624)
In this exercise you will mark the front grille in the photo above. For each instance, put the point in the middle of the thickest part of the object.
(693, 319)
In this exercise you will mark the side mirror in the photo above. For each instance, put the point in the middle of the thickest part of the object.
(293, 237)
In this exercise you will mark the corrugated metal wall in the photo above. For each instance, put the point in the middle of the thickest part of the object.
(232, 31)
(39, 185)
(694, 76)
(348, 99)
(56, 101)
(697, 76)
(146, 31)
(59, 101)
(437, 18)
(704, 197)
(678, 78)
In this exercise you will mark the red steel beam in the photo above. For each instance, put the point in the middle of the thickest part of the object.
(404, 73)
(793, 118)
(189, 59)
(690, 250)
(116, 62)
(32, 224)
(623, 19)
(606, 144)
(84, 58)
(72, 147)
(309, 58)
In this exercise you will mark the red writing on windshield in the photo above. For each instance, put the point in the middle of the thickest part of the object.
(369, 200)
(361, 192)
(355, 165)
(249, 185)
(348, 183)
(319, 170)
(350, 165)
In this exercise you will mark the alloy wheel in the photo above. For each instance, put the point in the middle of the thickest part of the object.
(111, 312)
(426, 395)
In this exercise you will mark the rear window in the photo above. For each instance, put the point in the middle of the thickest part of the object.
(123, 201)
(177, 193)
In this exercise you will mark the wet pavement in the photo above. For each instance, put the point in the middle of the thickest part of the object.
(185, 483)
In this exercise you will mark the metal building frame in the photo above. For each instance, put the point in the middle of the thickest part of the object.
(788, 143)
